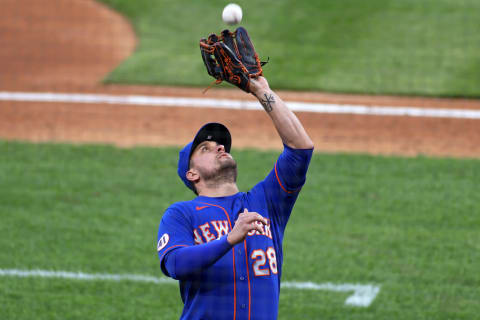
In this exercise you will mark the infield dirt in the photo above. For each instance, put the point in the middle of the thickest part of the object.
(72, 54)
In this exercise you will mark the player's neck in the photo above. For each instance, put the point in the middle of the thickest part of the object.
(223, 190)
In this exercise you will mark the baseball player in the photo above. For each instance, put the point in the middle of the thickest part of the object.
(225, 246)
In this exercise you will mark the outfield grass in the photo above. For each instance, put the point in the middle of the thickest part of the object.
(409, 225)
(408, 47)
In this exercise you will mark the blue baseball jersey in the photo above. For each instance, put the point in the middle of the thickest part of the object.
(244, 283)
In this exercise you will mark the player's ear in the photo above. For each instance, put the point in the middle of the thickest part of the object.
(192, 175)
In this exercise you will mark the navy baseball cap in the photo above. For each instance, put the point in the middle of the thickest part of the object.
(209, 132)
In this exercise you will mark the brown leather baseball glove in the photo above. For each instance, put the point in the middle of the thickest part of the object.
(231, 57)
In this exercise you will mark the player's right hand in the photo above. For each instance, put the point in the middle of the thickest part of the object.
(246, 222)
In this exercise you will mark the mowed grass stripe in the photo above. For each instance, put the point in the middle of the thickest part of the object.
(408, 224)
(408, 47)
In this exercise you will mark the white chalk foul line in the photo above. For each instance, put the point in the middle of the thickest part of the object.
(82, 276)
(363, 295)
(237, 104)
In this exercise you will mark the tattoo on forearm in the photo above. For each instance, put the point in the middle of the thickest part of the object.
(267, 102)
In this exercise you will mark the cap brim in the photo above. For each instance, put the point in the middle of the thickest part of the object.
(212, 132)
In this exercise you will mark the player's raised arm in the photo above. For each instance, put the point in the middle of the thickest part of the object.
(231, 57)
(286, 122)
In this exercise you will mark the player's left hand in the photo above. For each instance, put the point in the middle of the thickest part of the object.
(258, 85)
(231, 56)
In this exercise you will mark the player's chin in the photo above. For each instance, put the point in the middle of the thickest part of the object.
(227, 162)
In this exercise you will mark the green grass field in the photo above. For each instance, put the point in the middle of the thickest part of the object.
(408, 47)
(409, 225)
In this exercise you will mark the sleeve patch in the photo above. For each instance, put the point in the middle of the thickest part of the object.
(162, 242)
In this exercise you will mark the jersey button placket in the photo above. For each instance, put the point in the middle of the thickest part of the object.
(242, 283)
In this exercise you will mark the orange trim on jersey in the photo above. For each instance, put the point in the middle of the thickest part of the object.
(168, 249)
(233, 255)
(248, 278)
(280, 183)
(234, 287)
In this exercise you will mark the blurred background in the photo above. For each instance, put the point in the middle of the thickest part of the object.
(426, 48)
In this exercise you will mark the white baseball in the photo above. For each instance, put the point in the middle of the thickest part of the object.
(232, 14)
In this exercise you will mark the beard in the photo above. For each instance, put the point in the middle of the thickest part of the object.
(225, 172)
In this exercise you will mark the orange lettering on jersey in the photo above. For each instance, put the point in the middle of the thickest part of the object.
(206, 232)
(197, 237)
(265, 228)
(256, 232)
(221, 227)
(268, 231)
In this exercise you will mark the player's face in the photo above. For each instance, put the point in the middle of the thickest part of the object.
(212, 161)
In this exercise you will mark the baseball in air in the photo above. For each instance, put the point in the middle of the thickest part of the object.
(232, 14)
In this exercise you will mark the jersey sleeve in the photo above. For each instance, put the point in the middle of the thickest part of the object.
(284, 182)
(290, 170)
(175, 231)
(189, 261)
